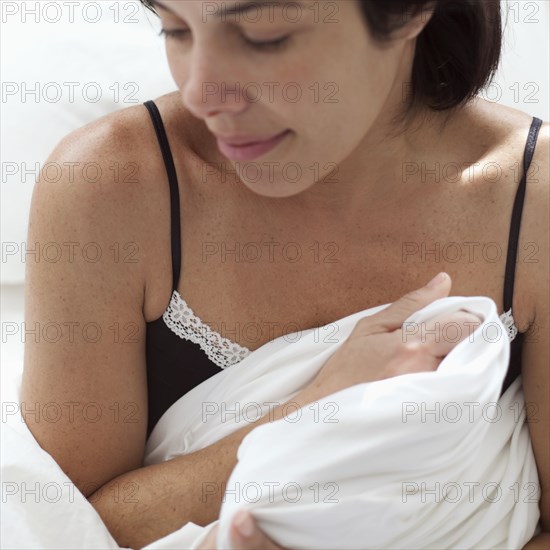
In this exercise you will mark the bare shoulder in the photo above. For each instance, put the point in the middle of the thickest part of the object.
(496, 137)
(92, 185)
(105, 158)
(120, 182)
(536, 229)
(503, 130)
(127, 136)
(510, 130)
(511, 126)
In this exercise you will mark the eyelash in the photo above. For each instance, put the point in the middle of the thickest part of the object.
(271, 46)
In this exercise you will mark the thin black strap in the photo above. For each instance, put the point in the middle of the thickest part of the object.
(516, 215)
(174, 190)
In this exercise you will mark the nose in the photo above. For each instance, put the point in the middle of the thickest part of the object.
(207, 91)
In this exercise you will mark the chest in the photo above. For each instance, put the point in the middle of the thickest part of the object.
(252, 283)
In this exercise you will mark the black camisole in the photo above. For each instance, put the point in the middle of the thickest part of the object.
(182, 352)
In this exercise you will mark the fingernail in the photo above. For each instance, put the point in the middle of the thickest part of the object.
(244, 523)
(437, 280)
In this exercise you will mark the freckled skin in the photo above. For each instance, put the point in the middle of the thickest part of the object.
(372, 217)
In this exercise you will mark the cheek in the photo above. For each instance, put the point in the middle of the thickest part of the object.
(370, 87)
(340, 99)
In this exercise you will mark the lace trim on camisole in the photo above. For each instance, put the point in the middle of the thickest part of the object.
(508, 321)
(179, 318)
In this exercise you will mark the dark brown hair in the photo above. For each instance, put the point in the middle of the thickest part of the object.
(457, 53)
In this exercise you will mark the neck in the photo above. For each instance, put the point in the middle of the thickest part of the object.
(379, 175)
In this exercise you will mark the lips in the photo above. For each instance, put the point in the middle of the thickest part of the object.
(243, 148)
(244, 139)
(238, 141)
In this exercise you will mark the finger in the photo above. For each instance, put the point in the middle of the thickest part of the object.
(393, 317)
(245, 534)
(415, 357)
(442, 333)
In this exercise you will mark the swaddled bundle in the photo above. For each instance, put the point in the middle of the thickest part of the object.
(423, 460)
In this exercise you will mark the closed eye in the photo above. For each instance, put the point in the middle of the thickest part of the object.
(178, 33)
(271, 45)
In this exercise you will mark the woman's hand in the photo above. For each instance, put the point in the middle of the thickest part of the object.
(244, 535)
(380, 346)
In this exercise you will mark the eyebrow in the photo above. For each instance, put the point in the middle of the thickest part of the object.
(237, 9)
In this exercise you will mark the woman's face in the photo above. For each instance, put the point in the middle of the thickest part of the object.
(319, 87)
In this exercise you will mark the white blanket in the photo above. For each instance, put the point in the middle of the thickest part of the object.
(425, 460)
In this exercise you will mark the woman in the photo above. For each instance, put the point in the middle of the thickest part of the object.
(314, 168)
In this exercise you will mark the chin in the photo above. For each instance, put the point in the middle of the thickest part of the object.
(277, 189)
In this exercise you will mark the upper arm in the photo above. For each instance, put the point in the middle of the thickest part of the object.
(536, 353)
(84, 393)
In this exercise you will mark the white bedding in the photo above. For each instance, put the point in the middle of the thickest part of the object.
(364, 454)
